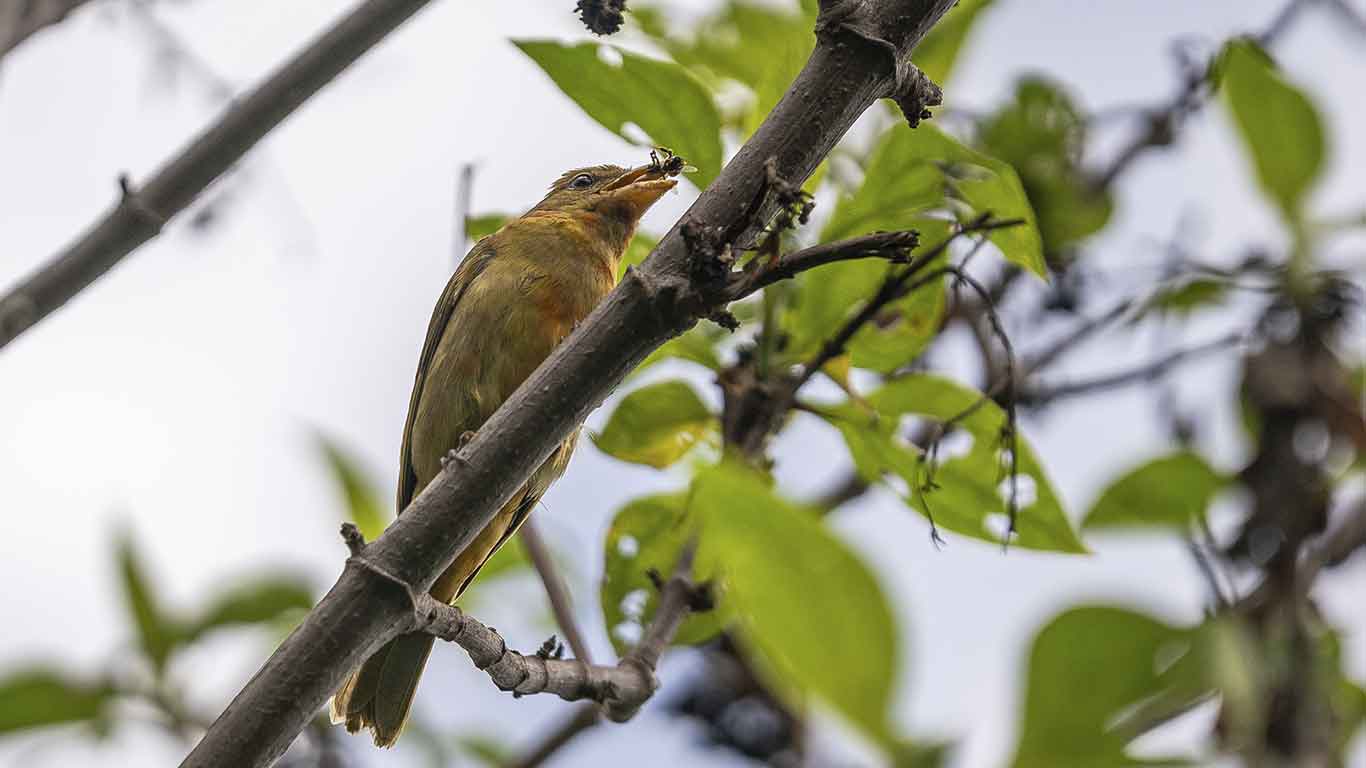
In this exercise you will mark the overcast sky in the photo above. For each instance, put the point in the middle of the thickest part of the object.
(178, 396)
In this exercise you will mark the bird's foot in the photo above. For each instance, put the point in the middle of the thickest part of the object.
(454, 453)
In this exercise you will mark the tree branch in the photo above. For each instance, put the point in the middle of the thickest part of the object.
(677, 285)
(621, 688)
(893, 246)
(1041, 395)
(141, 213)
(555, 590)
(19, 21)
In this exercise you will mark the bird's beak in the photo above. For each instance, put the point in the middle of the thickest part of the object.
(640, 187)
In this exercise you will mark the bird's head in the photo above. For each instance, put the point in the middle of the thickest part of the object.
(619, 194)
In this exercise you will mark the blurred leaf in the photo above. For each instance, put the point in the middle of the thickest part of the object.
(697, 345)
(639, 247)
(267, 599)
(721, 48)
(37, 697)
(363, 503)
(1279, 124)
(938, 52)
(660, 97)
(1188, 296)
(647, 534)
(656, 424)
(808, 606)
(479, 227)
(486, 750)
(1042, 135)
(1086, 668)
(157, 633)
(969, 492)
(1172, 491)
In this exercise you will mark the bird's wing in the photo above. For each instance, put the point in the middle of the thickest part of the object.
(470, 268)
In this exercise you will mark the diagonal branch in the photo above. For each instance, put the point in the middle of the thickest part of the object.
(142, 212)
(20, 21)
(1147, 372)
(681, 282)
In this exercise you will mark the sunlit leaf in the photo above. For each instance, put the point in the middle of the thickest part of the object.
(647, 535)
(825, 298)
(656, 424)
(970, 490)
(661, 97)
(912, 171)
(938, 52)
(1278, 123)
(808, 607)
(364, 505)
(38, 697)
(721, 49)
(1172, 491)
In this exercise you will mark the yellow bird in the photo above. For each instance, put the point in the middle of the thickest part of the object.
(516, 295)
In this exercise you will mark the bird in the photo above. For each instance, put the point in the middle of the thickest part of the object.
(514, 297)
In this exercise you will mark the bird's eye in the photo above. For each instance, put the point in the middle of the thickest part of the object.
(582, 181)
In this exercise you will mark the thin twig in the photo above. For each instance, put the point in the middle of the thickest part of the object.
(892, 246)
(585, 716)
(464, 195)
(141, 213)
(555, 590)
(1147, 372)
(897, 285)
(1163, 121)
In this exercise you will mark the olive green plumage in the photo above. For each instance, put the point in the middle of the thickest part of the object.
(516, 295)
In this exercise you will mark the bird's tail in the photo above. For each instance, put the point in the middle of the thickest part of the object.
(379, 695)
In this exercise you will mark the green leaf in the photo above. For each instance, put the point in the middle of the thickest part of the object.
(720, 49)
(656, 424)
(828, 296)
(912, 171)
(901, 182)
(1188, 296)
(1279, 124)
(640, 246)
(38, 697)
(158, 634)
(969, 495)
(364, 506)
(264, 600)
(1087, 668)
(1169, 492)
(480, 227)
(647, 534)
(697, 345)
(809, 608)
(660, 97)
(938, 52)
(1042, 135)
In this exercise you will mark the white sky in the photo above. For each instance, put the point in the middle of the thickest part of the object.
(179, 394)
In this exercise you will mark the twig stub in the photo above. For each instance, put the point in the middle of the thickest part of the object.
(602, 17)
